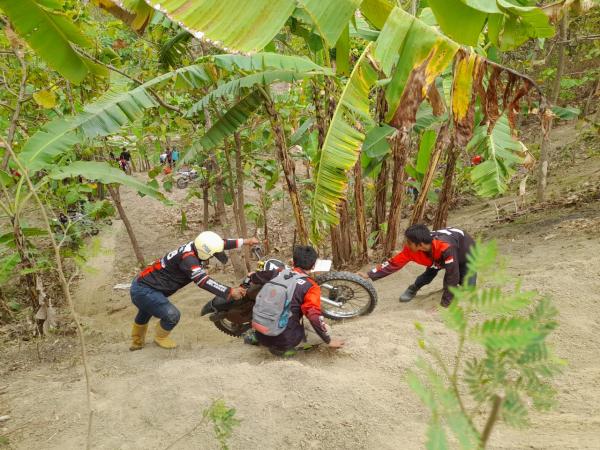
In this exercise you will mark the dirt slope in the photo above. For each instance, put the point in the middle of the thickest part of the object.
(353, 399)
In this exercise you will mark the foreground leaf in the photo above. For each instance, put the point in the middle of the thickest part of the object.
(52, 36)
(103, 172)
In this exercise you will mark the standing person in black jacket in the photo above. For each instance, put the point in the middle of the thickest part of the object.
(152, 287)
(442, 249)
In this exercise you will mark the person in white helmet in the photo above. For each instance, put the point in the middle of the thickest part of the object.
(152, 287)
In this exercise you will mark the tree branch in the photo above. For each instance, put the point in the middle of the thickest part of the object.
(489, 425)
(136, 80)
(17, 111)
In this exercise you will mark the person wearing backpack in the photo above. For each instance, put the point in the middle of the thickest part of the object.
(287, 296)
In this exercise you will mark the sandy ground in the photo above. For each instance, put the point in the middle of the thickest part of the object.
(356, 398)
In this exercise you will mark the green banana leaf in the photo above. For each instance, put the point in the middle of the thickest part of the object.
(105, 173)
(500, 153)
(51, 34)
(342, 145)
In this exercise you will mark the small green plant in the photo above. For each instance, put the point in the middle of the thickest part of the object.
(506, 329)
(223, 420)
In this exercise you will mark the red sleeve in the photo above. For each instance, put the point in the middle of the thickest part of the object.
(391, 265)
(311, 308)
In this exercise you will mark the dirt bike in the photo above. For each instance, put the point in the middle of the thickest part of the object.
(184, 177)
(343, 295)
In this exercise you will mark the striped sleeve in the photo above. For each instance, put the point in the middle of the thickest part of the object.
(230, 244)
(190, 264)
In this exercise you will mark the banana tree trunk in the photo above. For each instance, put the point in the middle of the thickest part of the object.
(443, 140)
(238, 267)
(320, 118)
(361, 221)
(380, 202)
(341, 239)
(116, 196)
(287, 165)
(441, 215)
(400, 150)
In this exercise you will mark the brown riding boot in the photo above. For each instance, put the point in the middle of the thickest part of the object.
(138, 336)
(162, 339)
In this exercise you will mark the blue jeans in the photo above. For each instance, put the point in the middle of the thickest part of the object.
(151, 302)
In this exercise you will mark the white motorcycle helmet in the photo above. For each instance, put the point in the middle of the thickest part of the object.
(209, 243)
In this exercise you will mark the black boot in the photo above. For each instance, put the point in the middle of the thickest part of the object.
(409, 293)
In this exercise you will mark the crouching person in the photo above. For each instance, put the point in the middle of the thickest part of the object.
(287, 296)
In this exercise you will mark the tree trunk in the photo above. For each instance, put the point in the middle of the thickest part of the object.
(560, 66)
(361, 222)
(319, 115)
(400, 150)
(205, 202)
(288, 167)
(237, 210)
(414, 7)
(443, 140)
(239, 178)
(238, 267)
(264, 209)
(116, 196)
(441, 215)
(341, 239)
(547, 121)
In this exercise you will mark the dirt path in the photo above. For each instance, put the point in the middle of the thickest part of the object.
(356, 398)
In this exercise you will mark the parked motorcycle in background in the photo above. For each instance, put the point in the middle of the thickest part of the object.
(183, 177)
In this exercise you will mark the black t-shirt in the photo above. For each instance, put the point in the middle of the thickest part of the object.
(180, 267)
(126, 155)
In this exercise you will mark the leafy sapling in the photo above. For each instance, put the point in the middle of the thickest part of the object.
(502, 365)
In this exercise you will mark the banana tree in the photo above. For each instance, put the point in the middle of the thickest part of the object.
(412, 54)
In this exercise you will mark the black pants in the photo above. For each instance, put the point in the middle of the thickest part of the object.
(431, 272)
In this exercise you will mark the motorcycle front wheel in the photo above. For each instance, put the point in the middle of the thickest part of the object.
(182, 183)
(345, 295)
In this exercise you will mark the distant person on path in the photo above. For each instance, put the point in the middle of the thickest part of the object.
(443, 249)
(125, 161)
(175, 156)
(151, 289)
(170, 157)
(305, 302)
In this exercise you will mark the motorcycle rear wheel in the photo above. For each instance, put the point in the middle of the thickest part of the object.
(357, 295)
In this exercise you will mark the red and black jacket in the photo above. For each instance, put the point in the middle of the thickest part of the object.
(449, 250)
(305, 302)
(180, 267)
